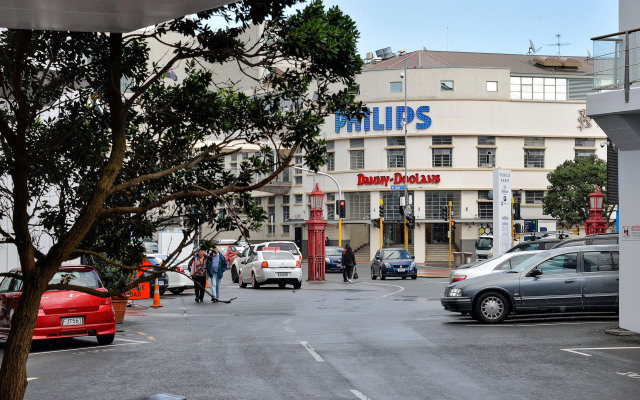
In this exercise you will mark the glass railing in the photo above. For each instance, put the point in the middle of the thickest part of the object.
(616, 60)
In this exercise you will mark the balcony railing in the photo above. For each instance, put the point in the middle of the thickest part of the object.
(616, 61)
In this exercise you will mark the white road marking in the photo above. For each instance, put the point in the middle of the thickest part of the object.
(386, 284)
(359, 395)
(533, 324)
(90, 348)
(312, 351)
(595, 348)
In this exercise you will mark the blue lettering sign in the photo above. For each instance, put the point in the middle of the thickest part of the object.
(371, 120)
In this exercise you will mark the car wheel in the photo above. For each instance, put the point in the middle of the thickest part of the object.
(491, 308)
(281, 285)
(254, 283)
(373, 275)
(177, 291)
(414, 276)
(162, 291)
(105, 339)
(297, 285)
(381, 274)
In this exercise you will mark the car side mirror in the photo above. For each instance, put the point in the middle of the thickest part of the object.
(535, 272)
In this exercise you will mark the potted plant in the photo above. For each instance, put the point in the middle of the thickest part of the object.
(114, 279)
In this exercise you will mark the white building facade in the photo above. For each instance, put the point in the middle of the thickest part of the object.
(468, 114)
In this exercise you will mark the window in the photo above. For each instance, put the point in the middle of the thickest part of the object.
(298, 180)
(584, 153)
(272, 199)
(596, 261)
(395, 141)
(245, 156)
(258, 200)
(358, 205)
(446, 85)
(585, 142)
(517, 196)
(534, 158)
(566, 263)
(436, 199)
(331, 161)
(492, 86)
(486, 140)
(441, 157)
(486, 158)
(534, 141)
(395, 158)
(271, 229)
(356, 159)
(234, 157)
(331, 145)
(271, 213)
(534, 196)
(331, 211)
(441, 140)
(285, 229)
(298, 160)
(285, 199)
(298, 198)
(285, 213)
(527, 88)
(485, 194)
(392, 204)
(395, 87)
(485, 210)
(356, 143)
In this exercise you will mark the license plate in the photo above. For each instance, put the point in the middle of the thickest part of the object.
(283, 274)
(400, 269)
(71, 321)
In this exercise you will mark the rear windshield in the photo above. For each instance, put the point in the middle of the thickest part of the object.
(277, 255)
(291, 247)
(88, 279)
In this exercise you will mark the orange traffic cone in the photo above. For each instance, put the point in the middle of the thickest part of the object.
(156, 296)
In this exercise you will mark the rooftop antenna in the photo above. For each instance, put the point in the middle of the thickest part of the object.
(558, 44)
(589, 58)
(532, 48)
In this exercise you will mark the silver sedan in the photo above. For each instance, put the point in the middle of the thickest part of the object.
(495, 264)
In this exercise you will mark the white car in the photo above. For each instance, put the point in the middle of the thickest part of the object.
(179, 279)
(237, 262)
(504, 262)
(271, 267)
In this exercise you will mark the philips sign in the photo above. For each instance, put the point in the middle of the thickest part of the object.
(372, 120)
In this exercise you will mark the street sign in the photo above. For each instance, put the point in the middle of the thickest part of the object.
(397, 187)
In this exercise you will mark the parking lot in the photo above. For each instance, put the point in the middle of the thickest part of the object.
(333, 340)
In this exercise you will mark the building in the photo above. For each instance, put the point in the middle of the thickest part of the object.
(468, 114)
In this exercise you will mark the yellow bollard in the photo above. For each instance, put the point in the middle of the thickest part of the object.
(156, 296)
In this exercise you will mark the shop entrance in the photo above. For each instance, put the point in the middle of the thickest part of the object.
(437, 233)
(393, 234)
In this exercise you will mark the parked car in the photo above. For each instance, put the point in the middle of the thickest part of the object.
(229, 251)
(560, 280)
(63, 313)
(333, 259)
(237, 262)
(281, 245)
(178, 280)
(393, 262)
(501, 263)
(540, 244)
(149, 264)
(596, 239)
(271, 267)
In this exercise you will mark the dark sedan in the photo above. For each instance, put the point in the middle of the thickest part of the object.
(393, 262)
(571, 279)
(333, 259)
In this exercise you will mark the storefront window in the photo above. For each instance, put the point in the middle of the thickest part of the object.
(358, 205)
(436, 200)
(392, 204)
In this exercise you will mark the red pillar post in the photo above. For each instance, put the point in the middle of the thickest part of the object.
(316, 226)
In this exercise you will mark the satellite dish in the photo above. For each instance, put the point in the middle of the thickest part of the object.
(532, 48)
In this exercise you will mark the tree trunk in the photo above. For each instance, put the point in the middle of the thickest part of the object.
(13, 373)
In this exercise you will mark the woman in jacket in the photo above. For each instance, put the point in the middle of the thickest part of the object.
(348, 262)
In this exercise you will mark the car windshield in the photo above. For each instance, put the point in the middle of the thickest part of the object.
(223, 249)
(484, 243)
(277, 255)
(333, 251)
(88, 279)
(530, 262)
(395, 255)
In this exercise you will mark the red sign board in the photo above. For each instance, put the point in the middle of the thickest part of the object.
(140, 292)
(398, 179)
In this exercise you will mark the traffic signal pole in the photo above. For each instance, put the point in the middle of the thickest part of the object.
(449, 215)
(381, 218)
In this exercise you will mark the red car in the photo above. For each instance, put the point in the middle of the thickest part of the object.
(63, 313)
(228, 251)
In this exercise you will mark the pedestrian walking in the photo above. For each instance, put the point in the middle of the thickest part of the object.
(327, 242)
(348, 262)
(198, 267)
(218, 264)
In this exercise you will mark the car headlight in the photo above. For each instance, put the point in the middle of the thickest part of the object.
(387, 265)
(455, 292)
(327, 260)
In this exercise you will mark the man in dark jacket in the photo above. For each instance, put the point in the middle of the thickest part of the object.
(348, 262)
(217, 266)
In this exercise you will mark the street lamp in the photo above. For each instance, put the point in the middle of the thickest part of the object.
(596, 223)
(403, 75)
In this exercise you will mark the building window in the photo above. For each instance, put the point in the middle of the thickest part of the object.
(486, 158)
(534, 158)
(441, 140)
(517, 196)
(584, 153)
(331, 211)
(271, 213)
(485, 210)
(395, 141)
(441, 157)
(446, 85)
(258, 200)
(298, 160)
(395, 87)
(534, 196)
(245, 156)
(331, 145)
(285, 199)
(234, 157)
(298, 180)
(436, 199)
(485, 194)
(298, 198)
(331, 161)
(285, 213)
(534, 141)
(356, 143)
(285, 229)
(585, 142)
(395, 158)
(272, 199)
(358, 205)
(356, 159)
(486, 140)
(527, 88)
(271, 229)
(392, 204)
(492, 86)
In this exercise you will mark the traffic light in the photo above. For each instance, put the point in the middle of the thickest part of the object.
(376, 222)
(444, 213)
(516, 211)
(453, 226)
(342, 208)
(411, 221)
(382, 210)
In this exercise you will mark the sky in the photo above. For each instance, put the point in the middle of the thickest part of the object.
(492, 26)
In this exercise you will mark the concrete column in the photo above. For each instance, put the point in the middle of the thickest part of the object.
(374, 233)
(419, 234)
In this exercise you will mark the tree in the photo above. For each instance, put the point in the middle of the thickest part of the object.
(570, 184)
(98, 149)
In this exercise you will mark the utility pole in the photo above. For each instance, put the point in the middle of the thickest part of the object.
(406, 161)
